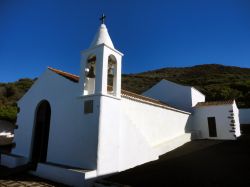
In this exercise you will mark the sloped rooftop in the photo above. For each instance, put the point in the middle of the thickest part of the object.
(66, 75)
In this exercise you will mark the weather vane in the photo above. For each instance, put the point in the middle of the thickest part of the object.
(102, 18)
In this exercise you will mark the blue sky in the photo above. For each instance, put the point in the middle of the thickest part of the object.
(152, 34)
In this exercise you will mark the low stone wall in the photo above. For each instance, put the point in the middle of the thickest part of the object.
(6, 133)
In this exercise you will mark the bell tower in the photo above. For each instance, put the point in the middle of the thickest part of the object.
(101, 66)
(100, 94)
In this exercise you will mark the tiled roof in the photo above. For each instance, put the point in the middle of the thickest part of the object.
(144, 99)
(124, 93)
(69, 76)
(214, 103)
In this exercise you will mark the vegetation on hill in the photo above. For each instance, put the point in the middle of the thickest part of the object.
(217, 82)
(10, 93)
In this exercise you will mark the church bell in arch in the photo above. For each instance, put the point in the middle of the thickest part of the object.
(91, 73)
(110, 71)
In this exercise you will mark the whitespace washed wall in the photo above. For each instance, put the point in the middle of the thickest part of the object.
(108, 136)
(196, 96)
(67, 121)
(222, 118)
(176, 95)
(143, 128)
(173, 94)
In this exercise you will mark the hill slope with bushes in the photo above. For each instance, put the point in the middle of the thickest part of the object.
(10, 93)
(216, 81)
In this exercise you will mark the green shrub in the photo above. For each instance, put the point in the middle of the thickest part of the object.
(8, 113)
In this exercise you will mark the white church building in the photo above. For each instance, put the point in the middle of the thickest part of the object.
(73, 129)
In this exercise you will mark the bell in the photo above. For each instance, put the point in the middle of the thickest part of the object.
(91, 73)
(110, 72)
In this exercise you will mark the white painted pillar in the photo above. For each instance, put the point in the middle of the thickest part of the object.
(117, 81)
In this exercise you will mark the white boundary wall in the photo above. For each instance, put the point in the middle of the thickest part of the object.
(144, 128)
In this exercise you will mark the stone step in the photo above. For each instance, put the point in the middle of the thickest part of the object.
(64, 174)
(12, 161)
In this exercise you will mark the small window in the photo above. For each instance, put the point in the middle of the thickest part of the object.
(88, 106)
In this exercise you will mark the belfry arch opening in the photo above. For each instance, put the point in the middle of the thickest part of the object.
(90, 72)
(111, 75)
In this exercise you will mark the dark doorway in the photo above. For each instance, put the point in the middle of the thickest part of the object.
(212, 127)
(41, 133)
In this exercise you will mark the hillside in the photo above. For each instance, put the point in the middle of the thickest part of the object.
(217, 82)
(10, 93)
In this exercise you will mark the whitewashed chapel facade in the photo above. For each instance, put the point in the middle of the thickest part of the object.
(74, 129)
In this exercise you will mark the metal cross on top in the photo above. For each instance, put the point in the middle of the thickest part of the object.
(102, 18)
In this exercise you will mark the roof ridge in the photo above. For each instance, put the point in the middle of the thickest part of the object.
(66, 75)
(53, 69)
(227, 100)
(211, 103)
(141, 95)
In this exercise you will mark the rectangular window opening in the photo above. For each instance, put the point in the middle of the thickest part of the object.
(88, 106)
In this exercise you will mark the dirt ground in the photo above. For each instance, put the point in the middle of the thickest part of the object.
(200, 163)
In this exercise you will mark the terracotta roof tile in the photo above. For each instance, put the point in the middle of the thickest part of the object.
(214, 103)
(124, 93)
(69, 76)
